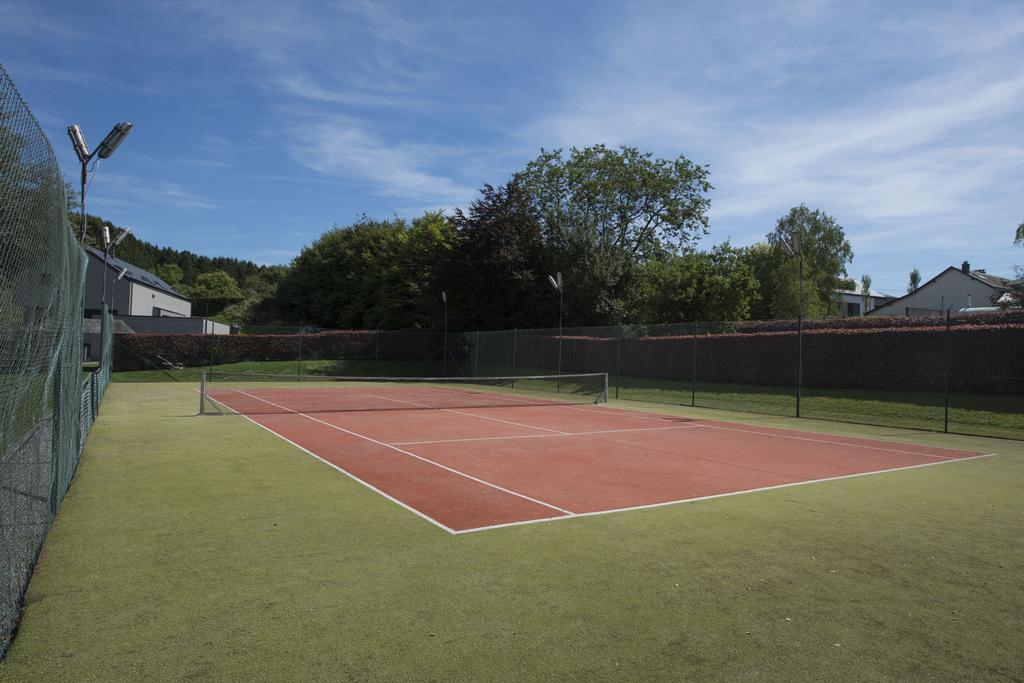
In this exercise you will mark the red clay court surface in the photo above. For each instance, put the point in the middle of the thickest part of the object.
(468, 469)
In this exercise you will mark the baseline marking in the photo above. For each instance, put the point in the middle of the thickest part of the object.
(413, 455)
(720, 495)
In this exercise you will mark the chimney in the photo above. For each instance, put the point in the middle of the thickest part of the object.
(966, 267)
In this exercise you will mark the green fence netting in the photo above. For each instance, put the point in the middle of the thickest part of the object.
(46, 407)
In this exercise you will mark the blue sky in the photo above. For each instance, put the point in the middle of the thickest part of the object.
(259, 125)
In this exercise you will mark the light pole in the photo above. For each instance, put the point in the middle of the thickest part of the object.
(109, 247)
(792, 247)
(110, 143)
(556, 282)
(444, 340)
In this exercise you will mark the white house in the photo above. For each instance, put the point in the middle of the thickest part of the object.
(138, 292)
(851, 301)
(951, 290)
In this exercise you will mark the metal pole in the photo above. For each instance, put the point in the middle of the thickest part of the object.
(476, 356)
(949, 363)
(301, 330)
(515, 338)
(82, 209)
(800, 340)
(444, 342)
(693, 373)
(618, 360)
(202, 392)
(559, 385)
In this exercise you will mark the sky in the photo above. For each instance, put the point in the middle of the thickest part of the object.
(260, 125)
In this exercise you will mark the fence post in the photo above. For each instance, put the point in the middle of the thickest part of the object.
(693, 373)
(515, 339)
(618, 359)
(301, 330)
(799, 359)
(949, 363)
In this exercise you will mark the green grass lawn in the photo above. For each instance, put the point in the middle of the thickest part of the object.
(204, 547)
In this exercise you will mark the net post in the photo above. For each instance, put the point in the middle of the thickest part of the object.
(604, 396)
(202, 392)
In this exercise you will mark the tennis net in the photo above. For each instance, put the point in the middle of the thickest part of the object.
(245, 393)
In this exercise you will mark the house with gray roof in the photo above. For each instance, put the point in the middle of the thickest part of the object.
(130, 290)
(954, 289)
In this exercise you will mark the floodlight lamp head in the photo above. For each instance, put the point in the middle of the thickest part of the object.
(114, 138)
(558, 279)
(794, 238)
(124, 271)
(78, 142)
(788, 249)
(444, 296)
(556, 283)
(120, 237)
(106, 237)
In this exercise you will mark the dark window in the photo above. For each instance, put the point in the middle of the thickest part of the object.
(852, 309)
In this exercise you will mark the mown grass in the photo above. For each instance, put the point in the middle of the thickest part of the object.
(205, 547)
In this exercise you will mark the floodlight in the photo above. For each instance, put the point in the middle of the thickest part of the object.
(106, 238)
(124, 271)
(795, 240)
(558, 279)
(78, 142)
(114, 138)
(789, 249)
(444, 296)
(554, 283)
(120, 237)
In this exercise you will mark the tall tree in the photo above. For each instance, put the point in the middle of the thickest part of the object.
(865, 293)
(695, 286)
(826, 252)
(915, 281)
(495, 276)
(603, 212)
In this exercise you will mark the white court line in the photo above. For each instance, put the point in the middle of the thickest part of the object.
(411, 455)
(544, 436)
(718, 495)
(834, 443)
(570, 515)
(343, 471)
(700, 423)
(459, 412)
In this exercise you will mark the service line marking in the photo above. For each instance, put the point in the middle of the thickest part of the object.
(544, 436)
(411, 455)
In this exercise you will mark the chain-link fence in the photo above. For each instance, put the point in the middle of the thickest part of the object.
(958, 374)
(46, 407)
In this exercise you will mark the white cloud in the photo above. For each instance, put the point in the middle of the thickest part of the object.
(395, 169)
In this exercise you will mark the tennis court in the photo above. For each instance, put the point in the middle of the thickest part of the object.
(481, 453)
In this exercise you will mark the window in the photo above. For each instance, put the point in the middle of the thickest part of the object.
(852, 309)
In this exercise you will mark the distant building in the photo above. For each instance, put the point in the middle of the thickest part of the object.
(138, 292)
(141, 302)
(951, 290)
(851, 301)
